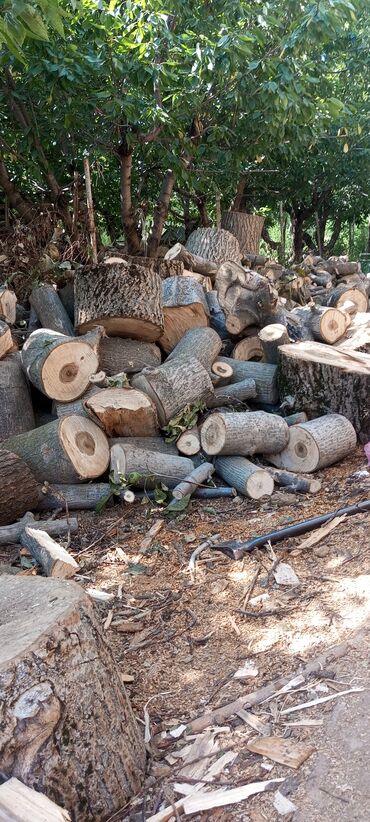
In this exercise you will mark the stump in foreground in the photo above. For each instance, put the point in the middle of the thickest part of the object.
(67, 728)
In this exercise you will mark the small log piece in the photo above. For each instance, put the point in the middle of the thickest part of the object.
(316, 444)
(123, 412)
(18, 803)
(55, 561)
(50, 310)
(264, 375)
(173, 385)
(245, 296)
(214, 244)
(16, 412)
(55, 527)
(117, 354)
(65, 409)
(153, 467)
(6, 340)
(327, 324)
(244, 433)
(197, 477)
(272, 337)
(295, 419)
(60, 366)
(67, 296)
(20, 492)
(73, 497)
(8, 305)
(297, 483)
(189, 442)
(221, 373)
(202, 343)
(205, 282)
(191, 262)
(233, 394)
(250, 480)
(250, 348)
(343, 293)
(157, 444)
(184, 307)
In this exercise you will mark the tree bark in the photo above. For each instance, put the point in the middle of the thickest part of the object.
(58, 527)
(214, 244)
(297, 483)
(60, 366)
(16, 414)
(233, 394)
(50, 310)
(123, 412)
(160, 213)
(65, 409)
(202, 343)
(129, 221)
(247, 229)
(54, 658)
(248, 479)
(184, 307)
(117, 354)
(316, 444)
(20, 492)
(217, 315)
(90, 212)
(198, 476)
(153, 467)
(264, 375)
(237, 204)
(192, 262)
(271, 338)
(174, 385)
(244, 433)
(26, 210)
(73, 497)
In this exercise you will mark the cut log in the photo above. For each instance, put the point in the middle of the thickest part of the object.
(221, 373)
(73, 497)
(244, 433)
(157, 444)
(67, 296)
(8, 305)
(357, 335)
(272, 337)
(20, 492)
(327, 324)
(197, 477)
(55, 561)
(50, 310)
(184, 307)
(324, 379)
(214, 244)
(316, 444)
(233, 394)
(205, 282)
(65, 409)
(189, 442)
(247, 228)
(250, 348)
(173, 385)
(72, 449)
(165, 267)
(295, 419)
(245, 296)
(16, 412)
(6, 340)
(117, 354)
(123, 412)
(264, 375)
(151, 466)
(248, 479)
(55, 527)
(297, 483)
(125, 298)
(191, 262)
(60, 366)
(18, 803)
(202, 343)
(342, 293)
(62, 696)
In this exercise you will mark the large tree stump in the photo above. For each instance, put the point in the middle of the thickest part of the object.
(247, 228)
(243, 433)
(149, 467)
(67, 728)
(249, 479)
(202, 343)
(192, 262)
(50, 310)
(123, 412)
(117, 354)
(264, 375)
(16, 412)
(20, 492)
(324, 379)
(125, 298)
(173, 385)
(184, 307)
(165, 267)
(72, 449)
(61, 366)
(214, 244)
(245, 297)
(316, 444)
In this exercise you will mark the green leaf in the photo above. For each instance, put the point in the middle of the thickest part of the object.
(34, 23)
(177, 505)
(102, 502)
(136, 568)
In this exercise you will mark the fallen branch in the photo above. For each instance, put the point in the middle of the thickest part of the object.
(57, 527)
(202, 547)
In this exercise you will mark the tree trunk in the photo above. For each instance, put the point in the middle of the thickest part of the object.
(337, 227)
(323, 379)
(184, 307)
(249, 348)
(67, 726)
(264, 375)
(175, 384)
(152, 467)
(233, 394)
(160, 213)
(245, 297)
(316, 444)
(297, 238)
(214, 244)
(6, 340)
(191, 261)
(202, 343)
(70, 450)
(50, 310)
(248, 479)
(23, 207)
(244, 433)
(198, 476)
(117, 354)
(247, 229)
(129, 221)
(90, 212)
(18, 802)
(60, 366)
(188, 443)
(123, 412)
(125, 298)
(16, 414)
(237, 204)
(272, 337)
(157, 444)
(54, 560)
(20, 492)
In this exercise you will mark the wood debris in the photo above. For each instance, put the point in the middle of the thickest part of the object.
(286, 751)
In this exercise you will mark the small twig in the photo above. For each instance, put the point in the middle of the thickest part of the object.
(274, 612)
(250, 589)
(106, 533)
(197, 553)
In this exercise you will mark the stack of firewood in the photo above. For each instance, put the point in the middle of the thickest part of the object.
(200, 348)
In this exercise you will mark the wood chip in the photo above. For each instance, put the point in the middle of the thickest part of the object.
(218, 799)
(283, 805)
(248, 669)
(322, 532)
(128, 626)
(285, 751)
(254, 722)
(108, 620)
(284, 574)
(319, 701)
(127, 678)
(204, 747)
(153, 531)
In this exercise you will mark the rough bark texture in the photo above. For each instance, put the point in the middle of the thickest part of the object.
(56, 528)
(125, 298)
(53, 558)
(65, 409)
(324, 379)
(272, 337)
(297, 483)
(233, 394)
(123, 412)
(202, 343)
(316, 444)
(190, 261)
(217, 315)
(214, 244)
(16, 412)
(50, 310)
(184, 306)
(6, 341)
(67, 728)
(196, 478)
(245, 297)
(20, 492)
(247, 478)
(161, 212)
(67, 296)
(175, 384)
(264, 375)
(117, 354)
(163, 267)
(60, 366)
(157, 444)
(152, 466)
(244, 433)
(247, 228)
(73, 497)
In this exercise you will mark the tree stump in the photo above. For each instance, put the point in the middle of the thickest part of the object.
(67, 728)
(264, 375)
(165, 267)
(125, 298)
(323, 379)
(61, 366)
(6, 340)
(50, 310)
(249, 479)
(214, 244)
(152, 467)
(272, 337)
(117, 354)
(173, 385)
(184, 307)
(123, 412)
(202, 343)
(20, 492)
(16, 412)
(316, 444)
(244, 433)
(247, 228)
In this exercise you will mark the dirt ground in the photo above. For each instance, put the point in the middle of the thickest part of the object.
(178, 641)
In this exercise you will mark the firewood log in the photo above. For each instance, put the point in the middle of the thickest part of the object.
(249, 479)
(6, 340)
(205, 282)
(125, 298)
(264, 375)
(8, 305)
(60, 366)
(50, 310)
(233, 394)
(54, 527)
(244, 433)
(324, 379)
(221, 373)
(65, 409)
(62, 695)
(189, 442)
(72, 449)
(202, 343)
(357, 335)
(151, 466)
(254, 261)
(184, 307)
(117, 354)
(192, 262)
(297, 483)
(342, 293)
(173, 385)
(272, 337)
(20, 492)
(16, 412)
(247, 228)
(198, 476)
(123, 412)
(217, 315)
(214, 244)
(295, 419)
(72, 497)
(19, 803)
(316, 444)
(245, 297)
(249, 348)
(53, 558)
(327, 324)
(157, 444)
(162, 265)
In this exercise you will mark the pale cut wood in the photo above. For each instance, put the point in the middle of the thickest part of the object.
(53, 558)
(200, 801)
(65, 409)
(57, 527)
(62, 696)
(117, 354)
(264, 375)
(249, 348)
(295, 482)
(342, 293)
(285, 751)
(198, 476)
(184, 307)
(19, 803)
(50, 310)
(192, 262)
(123, 412)
(272, 337)
(357, 335)
(16, 412)
(214, 244)
(20, 492)
(244, 433)
(72, 449)
(189, 442)
(316, 444)
(221, 373)
(233, 394)
(173, 385)
(250, 480)
(202, 343)
(125, 298)
(8, 305)
(6, 340)
(247, 228)
(152, 466)
(60, 366)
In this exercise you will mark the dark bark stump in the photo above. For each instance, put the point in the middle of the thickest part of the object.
(247, 228)
(214, 244)
(16, 412)
(20, 492)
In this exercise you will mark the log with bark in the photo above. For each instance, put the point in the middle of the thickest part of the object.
(189, 442)
(123, 412)
(323, 379)
(233, 394)
(205, 282)
(67, 726)
(357, 335)
(20, 491)
(173, 385)
(72, 449)
(249, 348)
(6, 340)
(60, 366)
(271, 338)
(197, 477)
(54, 527)
(217, 315)
(247, 228)
(244, 433)
(19, 803)
(50, 310)
(8, 305)
(221, 373)
(326, 324)
(125, 298)
(165, 266)
(316, 444)
(249, 479)
(343, 293)
(245, 297)
(214, 244)
(202, 343)
(297, 483)
(16, 412)
(72, 497)
(149, 467)
(192, 262)
(65, 409)
(157, 444)
(117, 354)
(184, 307)
(264, 375)
(55, 561)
